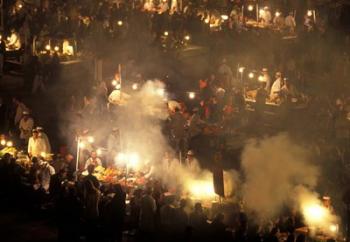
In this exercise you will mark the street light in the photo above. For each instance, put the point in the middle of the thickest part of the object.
(241, 69)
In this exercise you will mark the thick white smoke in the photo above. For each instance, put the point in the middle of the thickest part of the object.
(139, 122)
(273, 167)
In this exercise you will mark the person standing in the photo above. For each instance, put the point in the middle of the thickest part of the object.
(25, 126)
(36, 145)
(43, 135)
(276, 87)
(147, 214)
(93, 160)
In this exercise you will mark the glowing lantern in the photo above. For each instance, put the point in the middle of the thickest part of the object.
(250, 7)
(187, 37)
(241, 69)
(56, 48)
(47, 47)
(309, 13)
(251, 75)
(3, 142)
(191, 95)
(135, 86)
(277, 14)
(166, 33)
(120, 23)
(9, 143)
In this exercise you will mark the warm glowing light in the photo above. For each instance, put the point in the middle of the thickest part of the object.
(114, 82)
(261, 78)
(3, 142)
(261, 11)
(56, 48)
(120, 157)
(251, 75)
(9, 143)
(160, 92)
(120, 23)
(201, 189)
(81, 145)
(309, 13)
(241, 69)
(224, 17)
(43, 154)
(91, 139)
(250, 7)
(333, 228)
(206, 21)
(99, 152)
(166, 33)
(135, 86)
(314, 213)
(20, 6)
(118, 86)
(187, 37)
(192, 95)
(277, 14)
(133, 160)
(47, 47)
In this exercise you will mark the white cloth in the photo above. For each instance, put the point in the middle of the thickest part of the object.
(45, 174)
(47, 142)
(26, 126)
(36, 146)
(266, 16)
(276, 87)
(14, 42)
(96, 162)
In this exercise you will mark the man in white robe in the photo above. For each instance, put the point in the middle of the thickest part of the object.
(36, 145)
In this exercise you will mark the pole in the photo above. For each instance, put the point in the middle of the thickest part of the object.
(257, 13)
(78, 157)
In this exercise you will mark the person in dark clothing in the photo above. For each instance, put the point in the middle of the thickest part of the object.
(218, 229)
(91, 178)
(115, 215)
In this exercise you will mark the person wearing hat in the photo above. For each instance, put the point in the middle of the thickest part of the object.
(43, 135)
(93, 160)
(191, 161)
(265, 16)
(36, 145)
(276, 87)
(25, 126)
